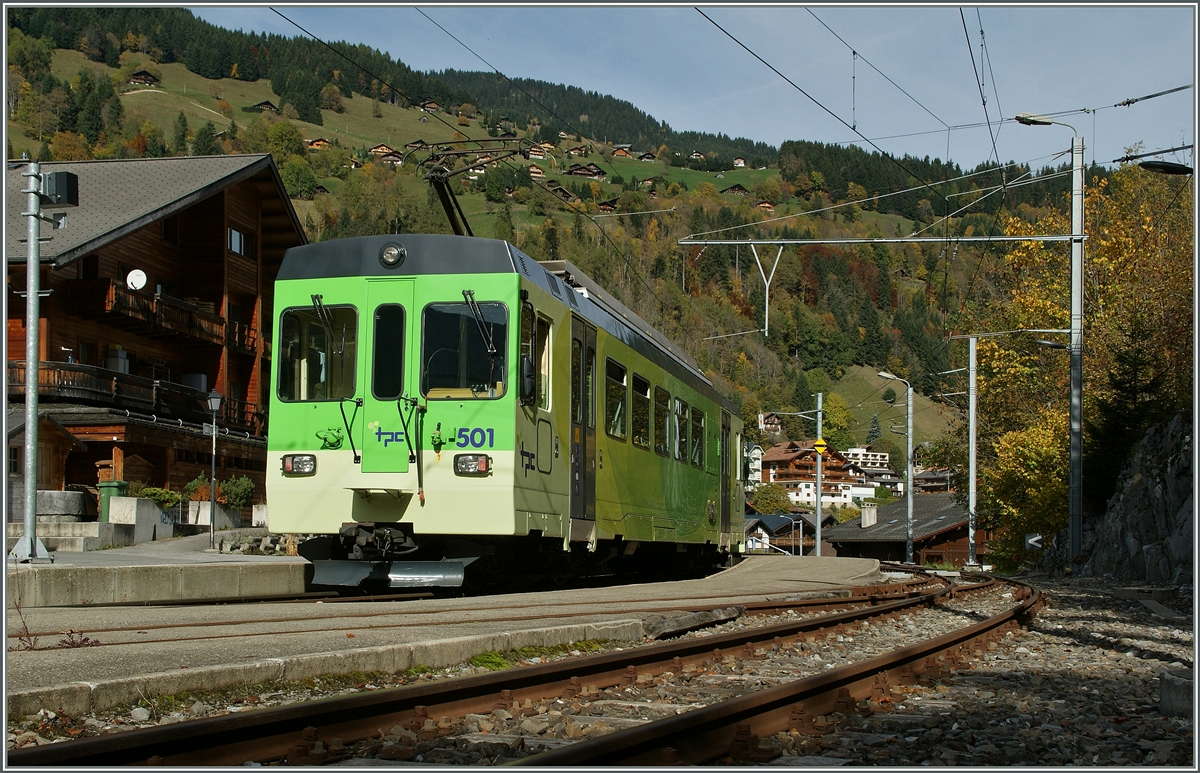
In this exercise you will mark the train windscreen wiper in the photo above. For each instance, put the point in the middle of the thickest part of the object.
(484, 332)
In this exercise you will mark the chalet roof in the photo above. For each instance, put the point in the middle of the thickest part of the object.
(144, 75)
(14, 426)
(119, 196)
(932, 514)
(782, 524)
(788, 452)
(736, 188)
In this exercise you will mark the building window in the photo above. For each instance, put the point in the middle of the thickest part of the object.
(240, 243)
(14, 460)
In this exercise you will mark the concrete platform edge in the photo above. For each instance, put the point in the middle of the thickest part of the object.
(80, 698)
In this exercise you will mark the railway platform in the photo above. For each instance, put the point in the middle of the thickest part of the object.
(142, 650)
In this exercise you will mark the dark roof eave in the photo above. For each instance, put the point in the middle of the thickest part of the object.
(171, 208)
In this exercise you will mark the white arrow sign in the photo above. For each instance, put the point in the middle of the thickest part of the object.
(1033, 541)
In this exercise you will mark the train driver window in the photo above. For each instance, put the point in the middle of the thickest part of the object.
(590, 383)
(681, 430)
(697, 437)
(662, 421)
(614, 399)
(576, 381)
(639, 412)
(542, 353)
(455, 358)
(318, 355)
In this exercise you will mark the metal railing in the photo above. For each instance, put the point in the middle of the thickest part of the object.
(91, 384)
(109, 297)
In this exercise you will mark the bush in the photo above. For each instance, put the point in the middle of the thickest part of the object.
(238, 492)
(197, 490)
(163, 497)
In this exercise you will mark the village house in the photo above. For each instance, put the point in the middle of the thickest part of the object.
(578, 150)
(393, 158)
(793, 532)
(793, 465)
(766, 206)
(160, 288)
(430, 106)
(536, 172)
(696, 156)
(739, 162)
(608, 206)
(737, 189)
(320, 143)
(560, 191)
(647, 157)
(939, 532)
(143, 78)
(537, 153)
(622, 151)
(263, 106)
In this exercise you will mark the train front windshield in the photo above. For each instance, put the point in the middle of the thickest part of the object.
(464, 355)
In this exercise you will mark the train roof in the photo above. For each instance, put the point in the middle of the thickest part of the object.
(427, 254)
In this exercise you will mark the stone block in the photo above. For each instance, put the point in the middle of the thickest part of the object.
(225, 518)
(259, 516)
(1175, 696)
(143, 514)
(61, 503)
(268, 579)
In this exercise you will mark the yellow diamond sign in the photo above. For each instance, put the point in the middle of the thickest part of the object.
(820, 446)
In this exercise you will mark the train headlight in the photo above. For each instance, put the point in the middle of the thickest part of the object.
(472, 464)
(392, 255)
(299, 464)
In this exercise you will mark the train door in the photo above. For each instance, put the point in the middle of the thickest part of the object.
(583, 420)
(725, 472)
(387, 425)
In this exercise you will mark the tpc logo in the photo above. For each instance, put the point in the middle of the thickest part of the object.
(385, 437)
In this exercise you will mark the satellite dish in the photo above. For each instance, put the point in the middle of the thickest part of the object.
(136, 279)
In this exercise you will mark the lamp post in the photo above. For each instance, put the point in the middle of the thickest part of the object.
(1075, 347)
(214, 405)
(908, 473)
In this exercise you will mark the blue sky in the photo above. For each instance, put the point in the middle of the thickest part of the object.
(914, 87)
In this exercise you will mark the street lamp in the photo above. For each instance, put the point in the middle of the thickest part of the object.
(1075, 476)
(214, 405)
(908, 482)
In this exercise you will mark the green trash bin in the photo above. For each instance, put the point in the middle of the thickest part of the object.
(110, 488)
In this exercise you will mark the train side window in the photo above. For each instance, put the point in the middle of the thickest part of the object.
(387, 378)
(640, 412)
(542, 351)
(312, 366)
(576, 381)
(590, 383)
(681, 430)
(527, 330)
(698, 438)
(614, 398)
(662, 422)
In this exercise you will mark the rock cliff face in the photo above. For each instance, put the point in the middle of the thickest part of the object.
(1146, 532)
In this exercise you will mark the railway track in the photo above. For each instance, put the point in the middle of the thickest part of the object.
(691, 700)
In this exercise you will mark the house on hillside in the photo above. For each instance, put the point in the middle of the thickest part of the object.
(143, 78)
(160, 291)
(765, 206)
(537, 153)
(414, 144)
(622, 151)
(393, 158)
(381, 150)
(430, 106)
(739, 162)
(264, 106)
(939, 532)
(578, 150)
(536, 172)
(560, 191)
(320, 143)
(647, 157)
(696, 156)
(737, 189)
(608, 206)
(793, 466)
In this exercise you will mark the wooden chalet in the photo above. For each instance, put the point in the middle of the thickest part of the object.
(414, 144)
(381, 150)
(622, 151)
(560, 191)
(608, 206)
(430, 106)
(578, 150)
(737, 189)
(793, 466)
(393, 158)
(564, 136)
(536, 172)
(591, 171)
(765, 206)
(696, 156)
(939, 532)
(125, 365)
(143, 78)
(353, 163)
(647, 157)
(739, 162)
(263, 106)
(537, 152)
(320, 143)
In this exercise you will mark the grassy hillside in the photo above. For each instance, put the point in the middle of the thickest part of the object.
(862, 388)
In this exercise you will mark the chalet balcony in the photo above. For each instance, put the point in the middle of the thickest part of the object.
(241, 337)
(70, 382)
(148, 313)
(243, 415)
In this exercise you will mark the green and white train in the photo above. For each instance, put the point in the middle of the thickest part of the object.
(442, 402)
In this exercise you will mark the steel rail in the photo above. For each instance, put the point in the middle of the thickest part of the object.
(732, 727)
(275, 733)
